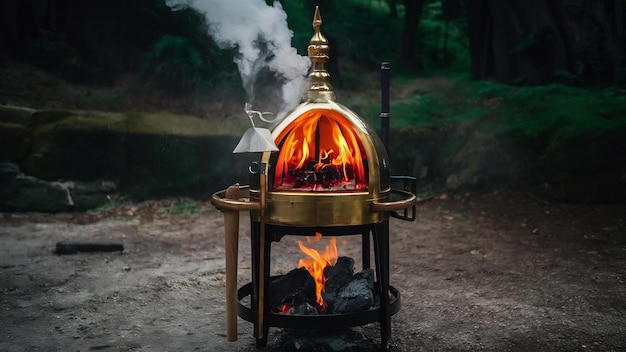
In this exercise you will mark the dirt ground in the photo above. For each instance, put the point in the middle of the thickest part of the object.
(504, 271)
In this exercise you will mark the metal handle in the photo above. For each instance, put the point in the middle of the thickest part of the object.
(408, 201)
(409, 184)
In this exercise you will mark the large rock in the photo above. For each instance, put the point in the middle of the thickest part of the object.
(14, 139)
(19, 192)
(146, 155)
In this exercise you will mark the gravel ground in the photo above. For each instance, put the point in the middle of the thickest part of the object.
(503, 271)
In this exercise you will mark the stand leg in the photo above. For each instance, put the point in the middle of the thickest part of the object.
(264, 285)
(366, 249)
(381, 250)
(254, 296)
(231, 248)
(260, 283)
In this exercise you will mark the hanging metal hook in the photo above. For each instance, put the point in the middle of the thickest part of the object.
(250, 113)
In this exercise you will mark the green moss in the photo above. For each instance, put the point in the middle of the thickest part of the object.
(12, 126)
(554, 108)
(185, 207)
(525, 112)
(153, 123)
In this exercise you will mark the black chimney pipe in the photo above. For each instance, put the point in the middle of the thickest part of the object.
(384, 111)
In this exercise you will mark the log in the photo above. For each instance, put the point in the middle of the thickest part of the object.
(89, 245)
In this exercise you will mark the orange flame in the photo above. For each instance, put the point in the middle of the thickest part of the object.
(317, 261)
(320, 151)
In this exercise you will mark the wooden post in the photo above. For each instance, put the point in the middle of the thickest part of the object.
(231, 247)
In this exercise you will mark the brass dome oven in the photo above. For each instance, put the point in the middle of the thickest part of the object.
(330, 174)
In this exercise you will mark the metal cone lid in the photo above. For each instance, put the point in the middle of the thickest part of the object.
(256, 140)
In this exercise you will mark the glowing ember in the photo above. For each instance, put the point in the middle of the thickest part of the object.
(320, 151)
(317, 261)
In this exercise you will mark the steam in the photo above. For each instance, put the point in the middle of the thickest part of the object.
(260, 34)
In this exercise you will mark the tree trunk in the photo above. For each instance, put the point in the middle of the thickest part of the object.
(393, 8)
(595, 38)
(539, 41)
(478, 26)
(408, 45)
(19, 26)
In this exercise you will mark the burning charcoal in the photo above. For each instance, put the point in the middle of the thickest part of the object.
(366, 274)
(303, 309)
(297, 281)
(310, 177)
(304, 178)
(355, 297)
(330, 174)
(327, 176)
(294, 299)
(336, 277)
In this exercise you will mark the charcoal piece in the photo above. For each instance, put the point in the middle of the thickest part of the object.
(366, 274)
(289, 287)
(89, 245)
(303, 309)
(337, 276)
(297, 303)
(354, 297)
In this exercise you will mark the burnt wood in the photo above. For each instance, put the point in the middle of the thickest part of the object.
(89, 245)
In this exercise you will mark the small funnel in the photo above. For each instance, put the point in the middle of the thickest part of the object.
(255, 139)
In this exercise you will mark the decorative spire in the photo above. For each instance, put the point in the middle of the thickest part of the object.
(319, 88)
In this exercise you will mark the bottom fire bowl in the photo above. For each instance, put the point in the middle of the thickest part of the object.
(316, 322)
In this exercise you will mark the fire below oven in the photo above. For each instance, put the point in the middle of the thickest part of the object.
(327, 177)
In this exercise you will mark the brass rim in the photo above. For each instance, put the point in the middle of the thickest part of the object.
(408, 201)
(219, 200)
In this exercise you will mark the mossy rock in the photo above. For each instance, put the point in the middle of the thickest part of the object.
(147, 155)
(13, 141)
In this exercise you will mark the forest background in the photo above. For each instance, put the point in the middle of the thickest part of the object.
(485, 94)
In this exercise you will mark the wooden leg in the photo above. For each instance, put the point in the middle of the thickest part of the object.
(231, 248)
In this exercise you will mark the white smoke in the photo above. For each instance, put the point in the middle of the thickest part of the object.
(262, 38)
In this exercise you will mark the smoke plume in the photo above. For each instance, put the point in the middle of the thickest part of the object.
(272, 72)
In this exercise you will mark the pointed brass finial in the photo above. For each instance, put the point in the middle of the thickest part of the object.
(319, 87)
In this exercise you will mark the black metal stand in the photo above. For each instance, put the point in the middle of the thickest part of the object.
(274, 233)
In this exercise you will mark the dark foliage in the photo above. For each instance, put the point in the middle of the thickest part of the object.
(101, 40)
(532, 42)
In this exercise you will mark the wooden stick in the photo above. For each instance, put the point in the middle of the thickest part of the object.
(231, 247)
